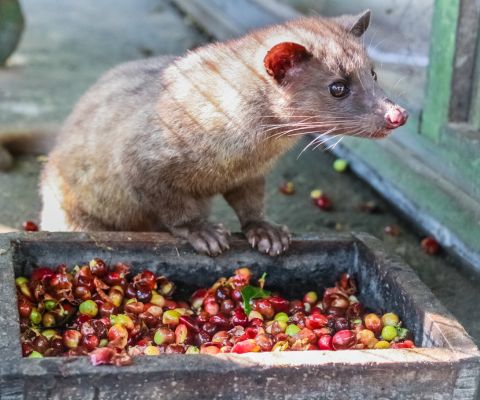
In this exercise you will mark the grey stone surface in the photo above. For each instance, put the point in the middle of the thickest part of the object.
(447, 366)
(68, 45)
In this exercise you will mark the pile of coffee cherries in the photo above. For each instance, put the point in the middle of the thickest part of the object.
(112, 315)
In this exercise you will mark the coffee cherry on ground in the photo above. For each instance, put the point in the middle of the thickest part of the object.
(315, 194)
(287, 188)
(35, 354)
(30, 226)
(340, 165)
(323, 202)
(370, 207)
(392, 230)
(430, 245)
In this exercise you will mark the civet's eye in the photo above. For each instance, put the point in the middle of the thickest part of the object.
(374, 74)
(338, 89)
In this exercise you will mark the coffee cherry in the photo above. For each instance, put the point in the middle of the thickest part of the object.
(192, 350)
(382, 344)
(30, 226)
(292, 330)
(71, 338)
(265, 308)
(340, 165)
(98, 267)
(430, 245)
(239, 318)
(323, 202)
(281, 316)
(171, 317)
(157, 299)
(35, 354)
(315, 194)
(164, 335)
(287, 188)
(35, 316)
(390, 319)
(48, 320)
(83, 293)
(310, 298)
(246, 346)
(389, 333)
(325, 342)
(373, 323)
(343, 340)
(91, 342)
(151, 351)
(117, 336)
(392, 230)
(88, 307)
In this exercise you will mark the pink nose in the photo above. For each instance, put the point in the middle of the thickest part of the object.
(395, 117)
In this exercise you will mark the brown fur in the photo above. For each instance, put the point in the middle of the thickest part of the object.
(152, 141)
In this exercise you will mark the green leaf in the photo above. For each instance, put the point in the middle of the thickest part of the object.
(252, 292)
(402, 333)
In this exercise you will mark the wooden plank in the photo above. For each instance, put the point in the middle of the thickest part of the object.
(464, 63)
(440, 72)
(474, 117)
(226, 19)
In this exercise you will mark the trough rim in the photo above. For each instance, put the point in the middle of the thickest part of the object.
(461, 351)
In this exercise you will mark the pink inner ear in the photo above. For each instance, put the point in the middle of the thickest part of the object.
(283, 56)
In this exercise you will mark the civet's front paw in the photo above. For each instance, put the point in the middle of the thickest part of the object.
(267, 238)
(209, 239)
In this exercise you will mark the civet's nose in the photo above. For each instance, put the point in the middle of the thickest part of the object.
(395, 117)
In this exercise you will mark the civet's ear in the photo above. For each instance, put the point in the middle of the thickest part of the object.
(359, 23)
(283, 57)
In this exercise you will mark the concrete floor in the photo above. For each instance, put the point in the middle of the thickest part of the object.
(62, 41)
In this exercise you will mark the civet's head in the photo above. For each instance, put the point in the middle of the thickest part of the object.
(325, 79)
